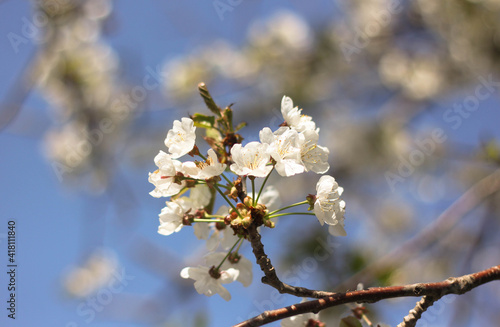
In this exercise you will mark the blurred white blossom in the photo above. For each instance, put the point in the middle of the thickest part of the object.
(206, 283)
(239, 263)
(328, 207)
(95, 273)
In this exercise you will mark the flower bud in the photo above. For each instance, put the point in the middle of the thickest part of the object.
(269, 223)
(246, 221)
(216, 179)
(248, 201)
(236, 222)
(261, 207)
(233, 194)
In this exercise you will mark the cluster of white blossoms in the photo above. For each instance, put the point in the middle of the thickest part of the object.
(292, 149)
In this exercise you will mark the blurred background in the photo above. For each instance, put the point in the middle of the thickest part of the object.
(405, 94)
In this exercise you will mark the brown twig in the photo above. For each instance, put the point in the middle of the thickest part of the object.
(411, 319)
(452, 285)
(270, 277)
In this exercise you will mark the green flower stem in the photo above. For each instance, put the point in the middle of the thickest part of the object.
(227, 179)
(227, 255)
(238, 248)
(181, 192)
(227, 187)
(262, 186)
(287, 207)
(214, 216)
(209, 209)
(227, 200)
(253, 191)
(290, 214)
(202, 220)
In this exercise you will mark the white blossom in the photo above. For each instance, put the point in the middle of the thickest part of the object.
(171, 218)
(294, 118)
(328, 207)
(314, 157)
(243, 265)
(284, 148)
(181, 138)
(205, 169)
(208, 285)
(251, 159)
(163, 177)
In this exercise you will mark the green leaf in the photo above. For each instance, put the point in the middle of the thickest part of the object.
(240, 126)
(203, 121)
(213, 133)
(209, 101)
(350, 322)
(228, 117)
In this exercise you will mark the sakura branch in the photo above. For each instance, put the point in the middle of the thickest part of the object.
(411, 319)
(453, 285)
(270, 277)
(290, 150)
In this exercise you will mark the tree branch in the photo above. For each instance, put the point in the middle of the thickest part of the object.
(411, 319)
(452, 285)
(270, 277)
